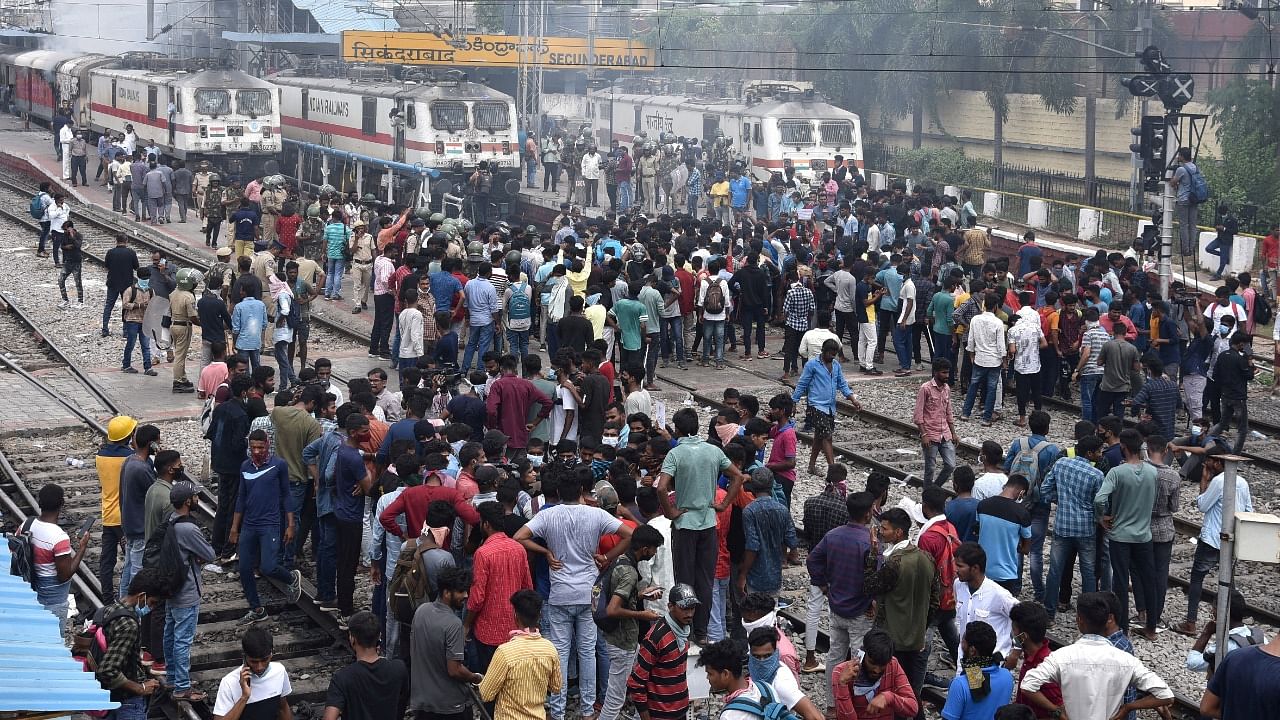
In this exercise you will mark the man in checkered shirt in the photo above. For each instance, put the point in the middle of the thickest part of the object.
(798, 306)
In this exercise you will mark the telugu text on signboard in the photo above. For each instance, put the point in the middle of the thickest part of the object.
(562, 53)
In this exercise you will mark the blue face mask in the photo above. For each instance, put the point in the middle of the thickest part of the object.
(535, 460)
(142, 609)
(144, 285)
(764, 670)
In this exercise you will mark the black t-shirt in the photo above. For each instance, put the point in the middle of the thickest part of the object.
(71, 246)
(245, 286)
(1246, 684)
(575, 332)
(471, 410)
(122, 263)
(215, 320)
(595, 398)
(369, 691)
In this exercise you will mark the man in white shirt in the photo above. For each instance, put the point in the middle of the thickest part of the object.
(1093, 674)
(988, 351)
(411, 328)
(811, 342)
(722, 662)
(980, 598)
(258, 688)
(902, 329)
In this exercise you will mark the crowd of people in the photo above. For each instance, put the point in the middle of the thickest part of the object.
(527, 528)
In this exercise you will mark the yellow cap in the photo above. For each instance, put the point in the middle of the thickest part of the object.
(120, 428)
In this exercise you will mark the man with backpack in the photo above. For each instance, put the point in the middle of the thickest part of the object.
(749, 698)
(437, 649)
(39, 209)
(42, 553)
(116, 653)
(1032, 457)
(517, 304)
(619, 608)
(157, 511)
(183, 551)
(1191, 189)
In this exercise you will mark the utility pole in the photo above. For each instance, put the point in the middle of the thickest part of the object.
(151, 19)
(1135, 177)
(1165, 266)
(1227, 556)
(1091, 105)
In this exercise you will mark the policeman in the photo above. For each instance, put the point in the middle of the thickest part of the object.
(182, 313)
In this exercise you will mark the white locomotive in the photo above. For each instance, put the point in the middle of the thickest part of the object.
(767, 126)
(190, 111)
(444, 123)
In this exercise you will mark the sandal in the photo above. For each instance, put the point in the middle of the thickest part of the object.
(190, 695)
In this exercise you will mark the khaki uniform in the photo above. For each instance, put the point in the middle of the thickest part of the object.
(362, 268)
(182, 308)
(199, 184)
(272, 203)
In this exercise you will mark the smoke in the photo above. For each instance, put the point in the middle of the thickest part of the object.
(112, 27)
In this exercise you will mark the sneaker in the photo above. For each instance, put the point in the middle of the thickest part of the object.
(295, 587)
(355, 310)
(150, 371)
(374, 355)
(179, 389)
(64, 304)
(254, 616)
(157, 669)
(342, 623)
(144, 658)
(329, 606)
(919, 367)
(131, 370)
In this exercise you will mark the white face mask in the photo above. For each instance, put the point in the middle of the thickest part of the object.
(610, 441)
(769, 620)
(535, 460)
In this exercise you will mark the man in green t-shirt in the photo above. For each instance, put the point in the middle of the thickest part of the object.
(632, 322)
(939, 314)
(621, 626)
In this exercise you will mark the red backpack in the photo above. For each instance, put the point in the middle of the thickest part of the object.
(943, 552)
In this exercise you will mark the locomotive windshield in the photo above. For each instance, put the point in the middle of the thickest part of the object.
(213, 102)
(839, 134)
(451, 116)
(796, 132)
(492, 116)
(253, 102)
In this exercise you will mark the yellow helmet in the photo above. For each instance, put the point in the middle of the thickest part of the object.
(120, 428)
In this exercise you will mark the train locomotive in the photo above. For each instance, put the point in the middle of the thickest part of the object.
(190, 109)
(441, 122)
(764, 127)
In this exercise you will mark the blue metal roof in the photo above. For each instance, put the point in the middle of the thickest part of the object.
(37, 672)
(334, 16)
(278, 39)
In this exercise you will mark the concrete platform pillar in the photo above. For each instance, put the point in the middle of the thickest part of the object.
(1038, 213)
(991, 204)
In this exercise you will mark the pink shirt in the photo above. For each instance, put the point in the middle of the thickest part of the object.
(933, 411)
(213, 375)
(783, 449)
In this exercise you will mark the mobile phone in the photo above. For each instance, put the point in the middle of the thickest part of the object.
(87, 525)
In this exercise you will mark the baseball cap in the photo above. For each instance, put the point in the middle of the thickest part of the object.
(683, 596)
(224, 252)
(182, 492)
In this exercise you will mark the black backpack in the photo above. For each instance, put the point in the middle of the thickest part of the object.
(22, 562)
(1263, 313)
(163, 553)
(602, 593)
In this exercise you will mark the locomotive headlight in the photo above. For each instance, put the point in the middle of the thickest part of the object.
(439, 147)
(204, 131)
(506, 147)
(266, 131)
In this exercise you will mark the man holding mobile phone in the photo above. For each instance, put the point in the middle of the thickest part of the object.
(259, 689)
(55, 561)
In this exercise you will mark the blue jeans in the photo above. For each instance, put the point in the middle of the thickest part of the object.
(52, 596)
(624, 196)
(285, 376)
(260, 547)
(1039, 528)
(988, 376)
(942, 349)
(568, 625)
(109, 306)
(132, 563)
(132, 334)
(179, 632)
(478, 341)
(326, 550)
(134, 708)
(713, 339)
(719, 601)
(1088, 389)
(532, 166)
(1062, 547)
(902, 346)
(297, 496)
(673, 338)
(334, 269)
(519, 342)
(1223, 251)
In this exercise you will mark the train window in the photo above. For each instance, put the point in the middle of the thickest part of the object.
(491, 116)
(411, 116)
(153, 99)
(796, 132)
(113, 93)
(838, 134)
(253, 103)
(756, 139)
(636, 126)
(450, 116)
(369, 118)
(213, 102)
(305, 97)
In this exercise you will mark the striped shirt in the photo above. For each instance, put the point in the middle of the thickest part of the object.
(1094, 338)
(48, 543)
(1160, 397)
(524, 670)
(657, 681)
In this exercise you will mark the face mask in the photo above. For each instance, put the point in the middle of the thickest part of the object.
(535, 460)
(259, 457)
(610, 441)
(1224, 330)
(142, 608)
(144, 285)
(764, 670)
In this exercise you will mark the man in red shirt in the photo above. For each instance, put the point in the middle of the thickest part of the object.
(501, 567)
(414, 501)
(939, 538)
(1030, 624)
(510, 399)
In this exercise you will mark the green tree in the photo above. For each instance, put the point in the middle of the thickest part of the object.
(1248, 171)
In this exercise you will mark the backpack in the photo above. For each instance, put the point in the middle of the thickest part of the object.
(347, 253)
(38, 206)
(1027, 464)
(1199, 188)
(163, 553)
(22, 562)
(767, 707)
(602, 594)
(410, 586)
(713, 300)
(519, 307)
(294, 317)
(1263, 313)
